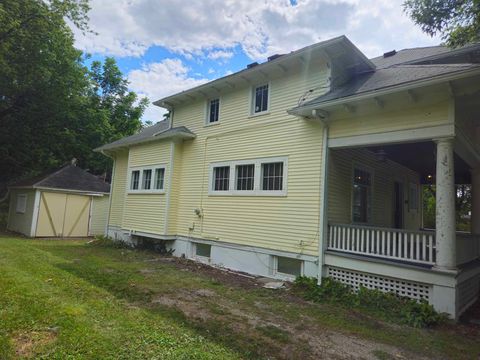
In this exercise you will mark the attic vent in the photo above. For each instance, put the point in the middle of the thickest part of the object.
(249, 66)
(390, 53)
(273, 57)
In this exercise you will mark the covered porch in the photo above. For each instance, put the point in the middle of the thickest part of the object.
(382, 241)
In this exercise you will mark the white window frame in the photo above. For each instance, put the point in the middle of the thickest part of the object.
(252, 99)
(365, 168)
(140, 180)
(284, 275)
(21, 203)
(257, 189)
(207, 111)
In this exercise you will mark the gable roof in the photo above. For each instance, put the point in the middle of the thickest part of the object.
(160, 130)
(68, 177)
(409, 66)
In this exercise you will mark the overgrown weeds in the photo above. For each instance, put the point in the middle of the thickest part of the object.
(386, 306)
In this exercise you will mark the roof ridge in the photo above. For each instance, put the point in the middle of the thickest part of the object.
(52, 174)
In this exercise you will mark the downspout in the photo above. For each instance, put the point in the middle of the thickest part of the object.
(323, 211)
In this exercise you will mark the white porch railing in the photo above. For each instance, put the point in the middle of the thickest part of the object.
(411, 246)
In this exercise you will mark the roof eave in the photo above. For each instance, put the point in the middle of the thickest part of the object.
(180, 136)
(167, 101)
(307, 109)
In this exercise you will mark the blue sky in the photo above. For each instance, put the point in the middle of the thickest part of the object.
(164, 47)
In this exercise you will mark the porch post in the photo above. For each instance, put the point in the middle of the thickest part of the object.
(475, 219)
(445, 233)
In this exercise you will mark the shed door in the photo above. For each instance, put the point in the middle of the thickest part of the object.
(63, 215)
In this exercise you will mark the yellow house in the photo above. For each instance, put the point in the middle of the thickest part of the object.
(312, 164)
(68, 202)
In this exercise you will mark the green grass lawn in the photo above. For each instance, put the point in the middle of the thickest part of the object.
(68, 300)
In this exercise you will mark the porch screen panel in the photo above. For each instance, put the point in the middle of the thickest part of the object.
(361, 196)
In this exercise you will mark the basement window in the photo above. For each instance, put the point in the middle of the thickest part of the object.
(21, 204)
(203, 250)
(288, 267)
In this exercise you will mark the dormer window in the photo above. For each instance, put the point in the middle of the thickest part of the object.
(260, 99)
(213, 111)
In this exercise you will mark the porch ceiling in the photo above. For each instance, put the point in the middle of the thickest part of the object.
(420, 157)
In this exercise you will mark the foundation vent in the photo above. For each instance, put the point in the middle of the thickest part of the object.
(355, 279)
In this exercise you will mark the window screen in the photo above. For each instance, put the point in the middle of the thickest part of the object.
(202, 250)
(272, 176)
(245, 177)
(289, 266)
(221, 178)
(135, 180)
(213, 110)
(261, 98)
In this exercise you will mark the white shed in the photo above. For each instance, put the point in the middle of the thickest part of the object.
(68, 202)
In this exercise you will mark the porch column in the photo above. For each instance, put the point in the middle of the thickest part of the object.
(475, 219)
(445, 233)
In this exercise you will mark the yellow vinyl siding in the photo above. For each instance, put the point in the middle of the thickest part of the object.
(384, 174)
(288, 223)
(392, 118)
(118, 188)
(145, 212)
(21, 222)
(98, 220)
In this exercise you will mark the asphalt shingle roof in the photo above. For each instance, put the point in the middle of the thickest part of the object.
(403, 67)
(392, 76)
(408, 55)
(69, 177)
(158, 131)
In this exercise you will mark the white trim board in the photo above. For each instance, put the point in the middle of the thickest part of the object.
(392, 137)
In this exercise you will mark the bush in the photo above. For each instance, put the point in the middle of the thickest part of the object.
(106, 241)
(387, 306)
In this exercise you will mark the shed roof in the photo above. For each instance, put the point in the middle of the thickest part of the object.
(160, 130)
(68, 177)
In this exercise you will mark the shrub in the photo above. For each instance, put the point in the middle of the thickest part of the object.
(387, 306)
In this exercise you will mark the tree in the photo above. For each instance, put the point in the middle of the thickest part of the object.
(52, 107)
(457, 21)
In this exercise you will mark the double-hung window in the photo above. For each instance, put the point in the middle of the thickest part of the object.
(245, 177)
(260, 98)
(213, 111)
(272, 176)
(361, 204)
(21, 204)
(147, 179)
(221, 178)
(262, 177)
(135, 180)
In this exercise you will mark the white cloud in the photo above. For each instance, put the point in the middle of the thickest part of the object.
(160, 79)
(260, 28)
(219, 55)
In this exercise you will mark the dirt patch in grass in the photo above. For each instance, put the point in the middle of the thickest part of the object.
(26, 343)
(256, 329)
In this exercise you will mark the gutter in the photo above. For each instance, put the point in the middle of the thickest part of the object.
(304, 110)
